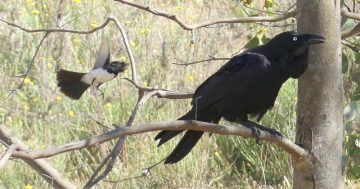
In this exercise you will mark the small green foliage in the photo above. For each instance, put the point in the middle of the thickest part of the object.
(255, 41)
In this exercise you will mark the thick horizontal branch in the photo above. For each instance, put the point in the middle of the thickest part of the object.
(211, 22)
(294, 150)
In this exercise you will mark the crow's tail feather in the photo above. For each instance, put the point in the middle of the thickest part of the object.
(166, 135)
(185, 145)
(70, 83)
(190, 138)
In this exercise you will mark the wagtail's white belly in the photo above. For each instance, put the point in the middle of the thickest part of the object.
(97, 76)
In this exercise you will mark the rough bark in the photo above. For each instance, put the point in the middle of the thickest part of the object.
(320, 121)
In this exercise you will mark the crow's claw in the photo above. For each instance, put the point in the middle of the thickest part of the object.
(256, 133)
(273, 132)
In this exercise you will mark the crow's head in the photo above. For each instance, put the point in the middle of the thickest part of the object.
(293, 43)
(290, 49)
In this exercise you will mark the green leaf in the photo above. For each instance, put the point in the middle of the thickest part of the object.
(347, 24)
(356, 94)
(254, 42)
(265, 39)
(345, 63)
(350, 111)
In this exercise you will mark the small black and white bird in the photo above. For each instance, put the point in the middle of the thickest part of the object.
(74, 84)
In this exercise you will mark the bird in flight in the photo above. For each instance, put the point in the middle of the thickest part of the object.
(247, 85)
(74, 84)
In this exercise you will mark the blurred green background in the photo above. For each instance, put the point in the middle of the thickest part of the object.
(43, 117)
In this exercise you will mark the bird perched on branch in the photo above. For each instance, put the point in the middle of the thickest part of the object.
(74, 84)
(247, 85)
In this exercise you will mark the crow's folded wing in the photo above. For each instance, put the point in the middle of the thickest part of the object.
(231, 78)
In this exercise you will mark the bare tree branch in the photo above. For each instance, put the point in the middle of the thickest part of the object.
(111, 158)
(128, 48)
(253, 19)
(162, 93)
(294, 150)
(57, 30)
(6, 155)
(199, 61)
(350, 31)
(42, 166)
(185, 26)
(350, 15)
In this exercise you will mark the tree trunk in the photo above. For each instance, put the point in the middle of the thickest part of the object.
(319, 120)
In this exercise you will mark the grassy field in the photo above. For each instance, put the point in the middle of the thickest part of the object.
(42, 117)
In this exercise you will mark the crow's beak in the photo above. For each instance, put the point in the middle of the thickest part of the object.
(312, 39)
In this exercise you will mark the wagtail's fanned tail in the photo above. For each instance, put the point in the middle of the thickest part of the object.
(70, 83)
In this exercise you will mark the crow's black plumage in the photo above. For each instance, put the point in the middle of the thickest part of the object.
(245, 86)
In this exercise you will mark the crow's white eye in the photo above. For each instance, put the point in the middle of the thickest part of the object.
(294, 38)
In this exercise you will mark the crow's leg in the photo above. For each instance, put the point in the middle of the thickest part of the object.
(271, 131)
(255, 131)
(255, 128)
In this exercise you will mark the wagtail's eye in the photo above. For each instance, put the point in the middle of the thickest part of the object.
(294, 38)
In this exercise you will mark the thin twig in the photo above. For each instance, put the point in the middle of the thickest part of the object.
(58, 30)
(145, 172)
(29, 67)
(162, 93)
(128, 49)
(111, 158)
(199, 61)
(190, 27)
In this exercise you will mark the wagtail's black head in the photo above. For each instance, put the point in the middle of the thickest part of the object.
(292, 42)
(116, 67)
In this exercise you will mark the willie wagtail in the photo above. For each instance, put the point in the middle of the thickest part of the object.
(74, 84)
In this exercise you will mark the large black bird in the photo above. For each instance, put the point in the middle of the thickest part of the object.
(245, 86)
(74, 84)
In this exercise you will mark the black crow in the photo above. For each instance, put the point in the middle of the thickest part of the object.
(247, 85)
